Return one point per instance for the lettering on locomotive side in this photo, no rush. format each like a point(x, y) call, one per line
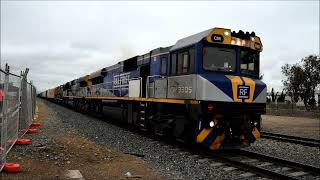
point(185, 89)
point(121, 80)
point(217, 38)
point(182, 89)
point(243, 92)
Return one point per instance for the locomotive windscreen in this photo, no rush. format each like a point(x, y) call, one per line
point(219, 59)
point(249, 63)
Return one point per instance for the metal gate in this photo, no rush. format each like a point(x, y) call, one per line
point(17, 108)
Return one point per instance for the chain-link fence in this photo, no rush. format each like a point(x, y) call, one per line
point(3, 122)
point(13, 106)
point(17, 108)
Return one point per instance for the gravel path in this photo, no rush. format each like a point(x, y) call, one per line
point(170, 162)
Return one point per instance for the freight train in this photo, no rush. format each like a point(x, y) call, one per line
point(204, 89)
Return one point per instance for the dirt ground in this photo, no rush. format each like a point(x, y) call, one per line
point(296, 126)
point(71, 151)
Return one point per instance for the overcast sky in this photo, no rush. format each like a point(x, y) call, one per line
point(61, 41)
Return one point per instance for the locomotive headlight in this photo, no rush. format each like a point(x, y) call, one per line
point(226, 33)
point(211, 124)
point(238, 42)
point(252, 39)
point(243, 42)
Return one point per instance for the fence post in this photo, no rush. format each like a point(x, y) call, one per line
point(5, 104)
point(4, 118)
point(24, 118)
point(2, 127)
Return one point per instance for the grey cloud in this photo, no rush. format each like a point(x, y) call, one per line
point(60, 41)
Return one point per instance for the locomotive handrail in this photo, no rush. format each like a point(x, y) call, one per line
point(147, 82)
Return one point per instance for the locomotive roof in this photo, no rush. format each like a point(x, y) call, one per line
point(187, 41)
point(98, 73)
point(83, 78)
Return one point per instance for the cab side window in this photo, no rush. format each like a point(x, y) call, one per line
point(186, 61)
point(163, 66)
point(183, 62)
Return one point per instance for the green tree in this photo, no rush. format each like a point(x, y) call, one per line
point(282, 97)
point(311, 67)
point(302, 79)
point(293, 81)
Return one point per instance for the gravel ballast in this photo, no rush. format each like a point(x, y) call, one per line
point(288, 151)
point(169, 161)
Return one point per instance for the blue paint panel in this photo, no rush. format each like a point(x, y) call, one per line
point(168, 64)
point(198, 58)
point(259, 87)
point(220, 81)
point(155, 66)
point(113, 83)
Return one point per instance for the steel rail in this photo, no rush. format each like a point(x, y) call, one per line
point(273, 159)
point(255, 169)
point(291, 139)
point(231, 157)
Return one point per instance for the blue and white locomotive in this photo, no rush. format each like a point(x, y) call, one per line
point(204, 89)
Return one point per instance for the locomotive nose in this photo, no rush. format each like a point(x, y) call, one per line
point(246, 89)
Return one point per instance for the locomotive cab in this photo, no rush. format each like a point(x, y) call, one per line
point(231, 93)
point(216, 74)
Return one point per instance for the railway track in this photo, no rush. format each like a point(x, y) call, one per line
point(269, 166)
point(291, 139)
point(251, 164)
